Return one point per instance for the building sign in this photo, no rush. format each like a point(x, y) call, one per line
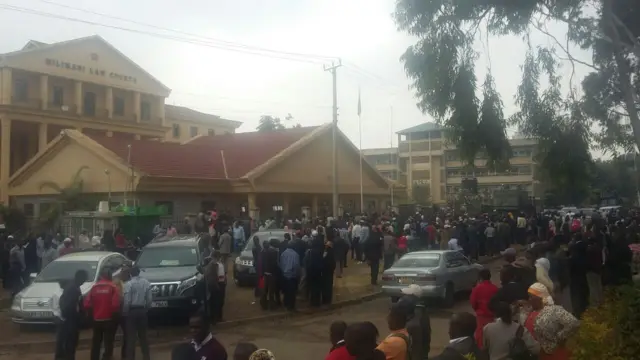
point(421, 182)
point(90, 70)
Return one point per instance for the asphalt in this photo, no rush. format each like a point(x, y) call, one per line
point(290, 337)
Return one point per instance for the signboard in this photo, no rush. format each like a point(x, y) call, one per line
point(61, 64)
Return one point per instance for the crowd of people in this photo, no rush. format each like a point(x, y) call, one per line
point(544, 290)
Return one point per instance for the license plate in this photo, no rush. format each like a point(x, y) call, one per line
point(39, 314)
point(405, 280)
point(160, 304)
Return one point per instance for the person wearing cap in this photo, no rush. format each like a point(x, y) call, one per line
point(418, 321)
point(509, 255)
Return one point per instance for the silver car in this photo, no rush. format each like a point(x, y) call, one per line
point(440, 274)
point(33, 305)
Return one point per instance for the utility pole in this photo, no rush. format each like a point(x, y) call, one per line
point(334, 130)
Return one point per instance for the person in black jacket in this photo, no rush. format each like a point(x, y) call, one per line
point(373, 252)
point(418, 321)
point(462, 327)
point(328, 269)
point(70, 317)
point(314, 270)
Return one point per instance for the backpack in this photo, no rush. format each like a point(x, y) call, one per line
point(407, 340)
point(518, 349)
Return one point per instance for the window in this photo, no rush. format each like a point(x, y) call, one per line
point(145, 111)
point(168, 256)
point(118, 106)
point(211, 132)
point(176, 131)
point(193, 131)
point(21, 90)
point(59, 270)
point(58, 96)
point(418, 261)
point(168, 204)
point(29, 210)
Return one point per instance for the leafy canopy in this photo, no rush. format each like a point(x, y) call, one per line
point(272, 123)
point(441, 66)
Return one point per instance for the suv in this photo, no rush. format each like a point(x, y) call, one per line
point(171, 264)
point(244, 272)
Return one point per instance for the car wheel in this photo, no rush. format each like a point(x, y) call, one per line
point(448, 299)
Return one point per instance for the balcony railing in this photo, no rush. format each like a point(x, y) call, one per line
point(26, 102)
point(70, 109)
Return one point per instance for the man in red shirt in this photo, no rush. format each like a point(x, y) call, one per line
point(103, 302)
point(480, 297)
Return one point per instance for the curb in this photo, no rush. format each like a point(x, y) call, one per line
point(159, 338)
point(166, 338)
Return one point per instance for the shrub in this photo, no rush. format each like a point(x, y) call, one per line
point(612, 330)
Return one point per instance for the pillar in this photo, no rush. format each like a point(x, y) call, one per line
point(43, 136)
point(254, 211)
point(6, 88)
point(108, 101)
point(44, 92)
point(5, 159)
point(286, 200)
point(160, 109)
point(77, 101)
point(314, 206)
point(136, 105)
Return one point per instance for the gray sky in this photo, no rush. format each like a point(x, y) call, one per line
point(243, 86)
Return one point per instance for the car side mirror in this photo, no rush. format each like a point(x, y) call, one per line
point(32, 276)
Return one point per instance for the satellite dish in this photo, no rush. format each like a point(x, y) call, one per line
point(64, 108)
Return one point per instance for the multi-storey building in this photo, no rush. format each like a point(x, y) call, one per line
point(88, 85)
point(424, 158)
point(81, 109)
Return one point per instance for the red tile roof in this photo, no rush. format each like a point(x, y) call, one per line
point(201, 158)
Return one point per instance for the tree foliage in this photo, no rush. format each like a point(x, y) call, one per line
point(272, 123)
point(70, 197)
point(441, 67)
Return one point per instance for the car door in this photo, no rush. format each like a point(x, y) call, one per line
point(454, 269)
point(468, 273)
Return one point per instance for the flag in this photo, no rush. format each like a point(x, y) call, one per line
point(359, 105)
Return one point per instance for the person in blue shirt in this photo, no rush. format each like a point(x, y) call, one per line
point(239, 238)
point(290, 268)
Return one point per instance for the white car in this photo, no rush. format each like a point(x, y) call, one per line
point(33, 305)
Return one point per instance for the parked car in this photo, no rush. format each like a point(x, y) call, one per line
point(440, 274)
point(244, 273)
point(171, 264)
point(33, 305)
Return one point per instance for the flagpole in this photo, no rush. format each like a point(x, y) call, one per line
point(360, 136)
point(391, 151)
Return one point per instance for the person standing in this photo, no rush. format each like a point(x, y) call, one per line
point(397, 344)
point(328, 269)
point(490, 244)
point(461, 344)
point(225, 245)
point(17, 266)
point(49, 253)
point(70, 316)
point(356, 253)
point(373, 254)
point(314, 271)
point(268, 271)
point(219, 291)
point(136, 304)
point(239, 238)
point(206, 346)
point(390, 248)
point(480, 297)
point(290, 267)
point(418, 323)
point(103, 300)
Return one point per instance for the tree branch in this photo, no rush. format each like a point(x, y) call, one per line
point(565, 50)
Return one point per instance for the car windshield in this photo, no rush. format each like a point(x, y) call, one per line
point(418, 261)
point(66, 270)
point(168, 256)
point(264, 236)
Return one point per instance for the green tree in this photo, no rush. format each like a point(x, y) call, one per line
point(442, 67)
point(269, 123)
point(69, 197)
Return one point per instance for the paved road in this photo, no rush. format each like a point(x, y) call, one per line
point(290, 338)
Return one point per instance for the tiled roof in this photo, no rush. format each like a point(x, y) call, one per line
point(244, 152)
point(157, 158)
point(186, 114)
point(202, 157)
point(428, 126)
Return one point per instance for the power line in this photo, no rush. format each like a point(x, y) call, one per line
point(163, 36)
point(210, 39)
point(347, 64)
